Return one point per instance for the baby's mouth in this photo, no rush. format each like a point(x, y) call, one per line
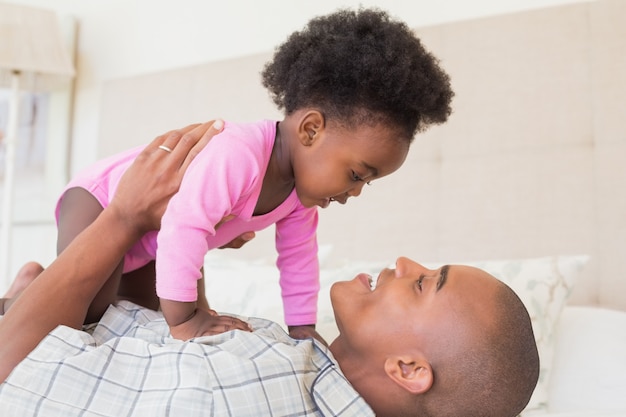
point(339, 200)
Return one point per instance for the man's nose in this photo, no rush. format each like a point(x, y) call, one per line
point(406, 266)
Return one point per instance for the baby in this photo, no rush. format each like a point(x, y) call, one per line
point(355, 87)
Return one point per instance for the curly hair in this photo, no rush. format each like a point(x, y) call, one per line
point(360, 67)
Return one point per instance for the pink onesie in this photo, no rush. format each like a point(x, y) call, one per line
point(224, 179)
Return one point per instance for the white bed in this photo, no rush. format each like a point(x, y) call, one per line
point(583, 365)
point(531, 165)
point(528, 177)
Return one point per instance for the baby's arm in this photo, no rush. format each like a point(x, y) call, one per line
point(187, 321)
point(202, 300)
point(296, 243)
point(306, 331)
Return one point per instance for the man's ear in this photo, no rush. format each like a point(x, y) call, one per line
point(415, 375)
point(310, 127)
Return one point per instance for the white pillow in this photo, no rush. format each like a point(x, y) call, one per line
point(251, 288)
point(243, 288)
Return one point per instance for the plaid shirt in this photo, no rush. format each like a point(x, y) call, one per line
point(128, 365)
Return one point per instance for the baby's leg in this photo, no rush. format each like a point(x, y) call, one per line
point(78, 210)
point(24, 277)
point(139, 286)
point(27, 273)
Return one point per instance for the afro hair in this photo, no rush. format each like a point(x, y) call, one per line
point(358, 67)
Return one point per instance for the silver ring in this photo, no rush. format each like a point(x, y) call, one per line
point(165, 148)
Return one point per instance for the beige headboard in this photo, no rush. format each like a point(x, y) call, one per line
point(532, 162)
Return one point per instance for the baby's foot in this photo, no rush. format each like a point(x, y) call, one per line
point(24, 277)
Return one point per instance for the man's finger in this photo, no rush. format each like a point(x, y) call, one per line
point(171, 138)
point(193, 146)
point(239, 241)
point(224, 220)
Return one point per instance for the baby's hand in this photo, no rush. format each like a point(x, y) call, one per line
point(305, 332)
point(206, 323)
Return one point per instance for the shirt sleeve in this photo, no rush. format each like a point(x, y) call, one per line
point(296, 243)
point(215, 183)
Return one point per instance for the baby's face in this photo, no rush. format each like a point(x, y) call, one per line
point(340, 161)
point(414, 306)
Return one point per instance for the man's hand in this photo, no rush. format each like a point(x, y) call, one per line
point(64, 290)
point(305, 332)
point(239, 241)
point(155, 175)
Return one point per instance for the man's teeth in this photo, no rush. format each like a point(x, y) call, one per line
point(372, 282)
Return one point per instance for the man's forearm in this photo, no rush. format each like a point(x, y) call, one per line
point(61, 294)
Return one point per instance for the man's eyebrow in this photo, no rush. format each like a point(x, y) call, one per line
point(443, 276)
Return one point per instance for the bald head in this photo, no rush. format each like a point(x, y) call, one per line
point(453, 341)
point(496, 364)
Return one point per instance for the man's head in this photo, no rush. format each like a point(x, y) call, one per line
point(447, 342)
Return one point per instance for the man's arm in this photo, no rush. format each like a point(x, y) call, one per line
point(61, 294)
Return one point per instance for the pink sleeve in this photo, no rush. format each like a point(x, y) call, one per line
point(217, 179)
point(296, 243)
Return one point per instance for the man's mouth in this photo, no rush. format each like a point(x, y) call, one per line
point(368, 280)
point(373, 283)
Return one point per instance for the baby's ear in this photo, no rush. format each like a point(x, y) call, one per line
point(311, 125)
point(414, 375)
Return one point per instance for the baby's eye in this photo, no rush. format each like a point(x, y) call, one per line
point(356, 177)
point(419, 282)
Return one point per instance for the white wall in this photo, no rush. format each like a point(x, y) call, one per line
point(119, 38)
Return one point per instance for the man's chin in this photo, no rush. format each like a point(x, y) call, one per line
point(335, 300)
point(342, 296)
point(338, 290)
point(333, 293)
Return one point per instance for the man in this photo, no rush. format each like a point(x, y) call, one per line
point(448, 342)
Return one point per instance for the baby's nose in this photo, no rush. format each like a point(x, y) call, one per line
point(356, 190)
